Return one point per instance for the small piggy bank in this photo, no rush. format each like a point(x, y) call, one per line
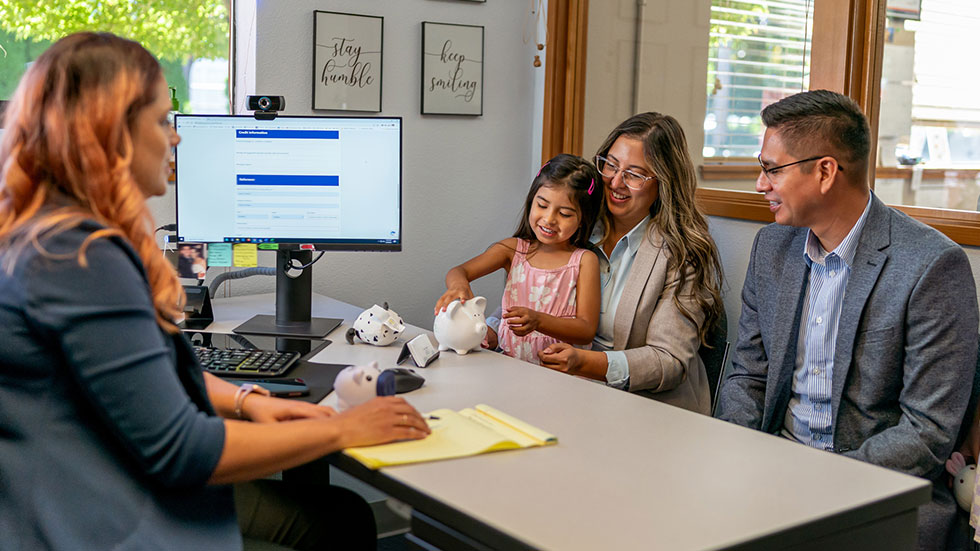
point(377, 325)
point(357, 384)
point(461, 327)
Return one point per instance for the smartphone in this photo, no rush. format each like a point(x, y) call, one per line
point(283, 388)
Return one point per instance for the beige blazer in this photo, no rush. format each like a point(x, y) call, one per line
point(661, 344)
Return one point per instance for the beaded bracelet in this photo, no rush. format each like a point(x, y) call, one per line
point(244, 391)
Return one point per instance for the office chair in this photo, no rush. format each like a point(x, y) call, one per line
point(715, 354)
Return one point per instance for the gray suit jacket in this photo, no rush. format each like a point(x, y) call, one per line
point(906, 347)
point(661, 344)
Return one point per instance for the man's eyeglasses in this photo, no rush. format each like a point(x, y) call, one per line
point(609, 169)
point(770, 171)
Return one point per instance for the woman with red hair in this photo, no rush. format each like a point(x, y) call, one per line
point(110, 435)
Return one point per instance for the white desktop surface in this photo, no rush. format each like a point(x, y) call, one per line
point(627, 472)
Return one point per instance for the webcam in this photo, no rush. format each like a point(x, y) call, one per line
point(266, 107)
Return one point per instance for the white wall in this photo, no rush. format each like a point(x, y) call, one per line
point(464, 178)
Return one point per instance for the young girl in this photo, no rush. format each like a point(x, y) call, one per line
point(552, 291)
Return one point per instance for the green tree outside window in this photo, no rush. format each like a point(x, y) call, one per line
point(176, 31)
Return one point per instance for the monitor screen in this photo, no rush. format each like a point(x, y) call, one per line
point(330, 182)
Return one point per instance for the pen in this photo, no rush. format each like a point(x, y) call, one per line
point(433, 417)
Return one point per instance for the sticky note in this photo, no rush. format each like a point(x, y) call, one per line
point(246, 255)
point(219, 254)
point(269, 246)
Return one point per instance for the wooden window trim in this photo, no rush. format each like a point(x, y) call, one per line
point(961, 226)
point(748, 170)
point(564, 81)
point(847, 50)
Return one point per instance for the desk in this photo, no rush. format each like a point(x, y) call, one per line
point(627, 473)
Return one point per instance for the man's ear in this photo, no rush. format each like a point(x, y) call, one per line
point(827, 170)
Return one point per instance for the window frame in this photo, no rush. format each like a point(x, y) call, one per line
point(846, 56)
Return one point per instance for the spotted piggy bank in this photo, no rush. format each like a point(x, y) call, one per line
point(378, 325)
point(357, 384)
point(461, 327)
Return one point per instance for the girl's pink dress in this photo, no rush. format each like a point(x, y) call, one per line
point(548, 291)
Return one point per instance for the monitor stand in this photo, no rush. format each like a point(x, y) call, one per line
point(294, 299)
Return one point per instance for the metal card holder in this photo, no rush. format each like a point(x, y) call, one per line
point(420, 349)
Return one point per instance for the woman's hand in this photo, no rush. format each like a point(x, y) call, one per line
point(266, 409)
point(561, 356)
point(461, 292)
point(564, 357)
point(522, 321)
point(491, 341)
point(381, 420)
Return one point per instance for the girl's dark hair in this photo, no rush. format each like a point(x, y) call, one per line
point(584, 182)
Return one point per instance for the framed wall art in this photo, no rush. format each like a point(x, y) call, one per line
point(452, 69)
point(347, 59)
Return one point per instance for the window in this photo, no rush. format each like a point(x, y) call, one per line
point(758, 53)
point(929, 130)
point(189, 37)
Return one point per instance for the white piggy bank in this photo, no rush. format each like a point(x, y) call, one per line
point(461, 327)
point(357, 384)
point(378, 325)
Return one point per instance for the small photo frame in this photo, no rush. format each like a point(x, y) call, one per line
point(347, 60)
point(452, 69)
point(192, 260)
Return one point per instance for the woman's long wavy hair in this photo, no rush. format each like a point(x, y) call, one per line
point(675, 213)
point(66, 154)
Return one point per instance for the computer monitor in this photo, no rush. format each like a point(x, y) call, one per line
point(295, 183)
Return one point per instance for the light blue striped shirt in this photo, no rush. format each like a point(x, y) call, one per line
point(614, 270)
point(808, 417)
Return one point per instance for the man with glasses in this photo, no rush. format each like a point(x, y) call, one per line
point(858, 331)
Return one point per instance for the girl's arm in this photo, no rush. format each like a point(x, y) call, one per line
point(498, 256)
point(578, 330)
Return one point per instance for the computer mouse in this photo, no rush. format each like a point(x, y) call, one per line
point(406, 380)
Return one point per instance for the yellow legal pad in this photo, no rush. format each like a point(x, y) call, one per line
point(471, 431)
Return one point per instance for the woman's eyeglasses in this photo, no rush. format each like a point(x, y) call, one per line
point(609, 169)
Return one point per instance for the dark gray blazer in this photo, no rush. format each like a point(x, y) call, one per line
point(905, 356)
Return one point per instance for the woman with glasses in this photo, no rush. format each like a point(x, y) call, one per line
point(661, 275)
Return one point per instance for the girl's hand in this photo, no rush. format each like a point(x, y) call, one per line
point(266, 409)
point(460, 292)
point(381, 420)
point(562, 357)
point(522, 321)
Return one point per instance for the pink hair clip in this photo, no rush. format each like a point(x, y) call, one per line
point(591, 186)
point(542, 168)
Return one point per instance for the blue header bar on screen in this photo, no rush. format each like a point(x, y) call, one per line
point(287, 180)
point(289, 134)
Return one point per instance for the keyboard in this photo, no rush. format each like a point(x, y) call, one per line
point(245, 362)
